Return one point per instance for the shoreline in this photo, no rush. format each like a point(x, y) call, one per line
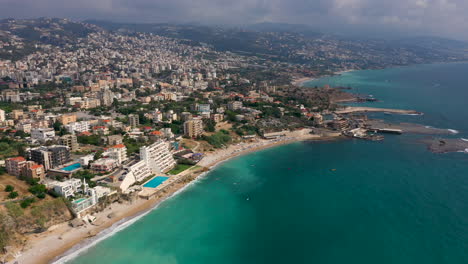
point(302, 80)
point(62, 243)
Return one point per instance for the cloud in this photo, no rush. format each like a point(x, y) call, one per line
point(438, 17)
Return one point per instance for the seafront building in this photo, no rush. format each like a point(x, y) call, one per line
point(66, 188)
point(158, 157)
point(136, 172)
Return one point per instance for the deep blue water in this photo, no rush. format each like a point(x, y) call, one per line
point(330, 202)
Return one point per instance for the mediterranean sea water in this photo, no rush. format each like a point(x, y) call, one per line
point(347, 201)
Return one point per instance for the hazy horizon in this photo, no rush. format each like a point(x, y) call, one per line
point(379, 18)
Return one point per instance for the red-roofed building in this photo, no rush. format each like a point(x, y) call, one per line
point(118, 152)
point(86, 133)
point(33, 170)
point(155, 134)
point(100, 130)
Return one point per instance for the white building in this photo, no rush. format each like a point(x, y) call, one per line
point(118, 152)
point(157, 116)
point(82, 126)
point(135, 173)
point(2, 116)
point(43, 134)
point(67, 188)
point(73, 100)
point(84, 161)
point(167, 132)
point(158, 157)
point(170, 115)
point(95, 194)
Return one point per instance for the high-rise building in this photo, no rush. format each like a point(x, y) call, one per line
point(134, 120)
point(158, 157)
point(193, 128)
point(50, 156)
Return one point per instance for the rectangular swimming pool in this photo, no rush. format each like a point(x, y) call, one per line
point(71, 167)
point(79, 200)
point(155, 182)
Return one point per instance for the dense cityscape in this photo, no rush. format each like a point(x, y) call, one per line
point(91, 118)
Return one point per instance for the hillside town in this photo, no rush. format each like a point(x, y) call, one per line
point(116, 117)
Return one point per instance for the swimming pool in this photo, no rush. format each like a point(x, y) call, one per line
point(71, 167)
point(79, 200)
point(155, 182)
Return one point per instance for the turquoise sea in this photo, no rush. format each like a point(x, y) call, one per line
point(347, 201)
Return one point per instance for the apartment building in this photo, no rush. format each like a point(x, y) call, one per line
point(158, 157)
point(14, 166)
point(193, 128)
point(70, 141)
point(82, 126)
point(67, 119)
point(50, 156)
point(43, 134)
point(118, 152)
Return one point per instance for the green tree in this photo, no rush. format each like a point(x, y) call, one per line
point(57, 125)
point(98, 154)
point(210, 124)
point(13, 195)
point(39, 190)
point(27, 202)
point(9, 188)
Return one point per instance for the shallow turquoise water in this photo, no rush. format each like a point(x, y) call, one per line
point(330, 202)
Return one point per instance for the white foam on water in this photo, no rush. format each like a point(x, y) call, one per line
point(453, 131)
point(86, 244)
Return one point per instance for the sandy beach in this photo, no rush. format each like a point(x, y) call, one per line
point(362, 109)
point(301, 81)
point(63, 239)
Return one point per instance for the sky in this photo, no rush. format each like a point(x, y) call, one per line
point(445, 18)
